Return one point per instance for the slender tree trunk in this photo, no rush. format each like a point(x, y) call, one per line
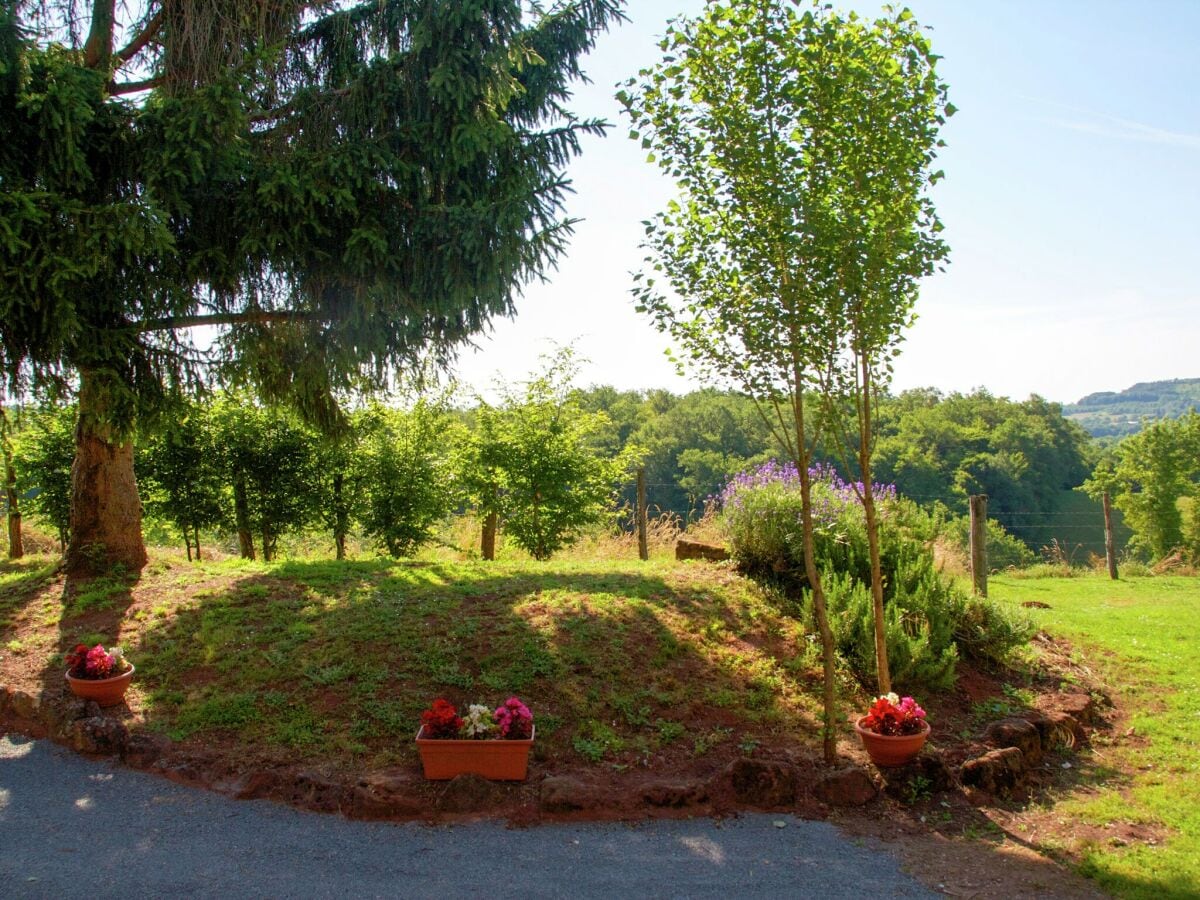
point(341, 518)
point(106, 512)
point(487, 542)
point(241, 514)
point(187, 543)
point(196, 541)
point(643, 543)
point(813, 575)
point(1110, 550)
point(884, 675)
point(268, 543)
point(16, 546)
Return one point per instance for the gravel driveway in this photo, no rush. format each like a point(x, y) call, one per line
point(72, 827)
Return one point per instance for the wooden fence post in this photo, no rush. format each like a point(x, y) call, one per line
point(977, 503)
point(643, 543)
point(1110, 551)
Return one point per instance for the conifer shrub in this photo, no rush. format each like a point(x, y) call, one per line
point(929, 621)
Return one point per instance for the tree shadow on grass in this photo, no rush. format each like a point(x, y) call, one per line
point(93, 611)
point(336, 662)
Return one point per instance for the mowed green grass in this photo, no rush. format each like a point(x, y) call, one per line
point(625, 664)
point(1139, 636)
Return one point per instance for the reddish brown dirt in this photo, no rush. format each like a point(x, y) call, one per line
point(961, 843)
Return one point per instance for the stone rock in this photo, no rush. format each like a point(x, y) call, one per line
point(99, 734)
point(695, 550)
point(1058, 729)
point(761, 782)
point(469, 793)
point(256, 785)
point(386, 794)
point(1019, 733)
point(673, 794)
point(928, 772)
point(314, 791)
point(1080, 707)
point(142, 750)
point(849, 786)
point(560, 793)
point(24, 705)
point(996, 771)
point(4, 696)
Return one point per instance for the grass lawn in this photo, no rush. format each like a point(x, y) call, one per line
point(653, 665)
point(1139, 637)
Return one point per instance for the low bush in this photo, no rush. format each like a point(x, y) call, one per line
point(929, 621)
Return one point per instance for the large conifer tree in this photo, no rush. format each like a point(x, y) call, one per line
point(333, 187)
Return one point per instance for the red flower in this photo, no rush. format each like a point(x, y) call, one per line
point(77, 660)
point(885, 717)
point(441, 720)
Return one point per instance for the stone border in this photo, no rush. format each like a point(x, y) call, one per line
point(401, 793)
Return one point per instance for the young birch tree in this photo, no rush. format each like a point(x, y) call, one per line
point(751, 112)
point(883, 134)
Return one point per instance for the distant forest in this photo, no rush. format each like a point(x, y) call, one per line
point(1109, 414)
point(936, 448)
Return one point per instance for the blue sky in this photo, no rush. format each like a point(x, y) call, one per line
point(1072, 206)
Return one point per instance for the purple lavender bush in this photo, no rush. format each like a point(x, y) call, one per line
point(928, 620)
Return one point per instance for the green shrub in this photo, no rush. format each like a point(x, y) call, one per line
point(929, 622)
point(1004, 551)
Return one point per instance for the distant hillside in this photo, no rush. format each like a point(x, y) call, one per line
point(1110, 414)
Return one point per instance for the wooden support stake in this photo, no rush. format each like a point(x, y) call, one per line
point(643, 543)
point(1110, 551)
point(977, 504)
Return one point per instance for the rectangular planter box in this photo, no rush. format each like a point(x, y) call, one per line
point(498, 760)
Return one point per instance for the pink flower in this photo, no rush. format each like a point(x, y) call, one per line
point(514, 719)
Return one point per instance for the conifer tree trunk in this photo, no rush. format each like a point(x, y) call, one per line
point(106, 511)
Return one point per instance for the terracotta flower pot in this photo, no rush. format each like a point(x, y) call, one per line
point(105, 691)
point(892, 750)
point(499, 760)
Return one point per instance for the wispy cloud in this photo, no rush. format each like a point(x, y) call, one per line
point(1124, 129)
point(1109, 126)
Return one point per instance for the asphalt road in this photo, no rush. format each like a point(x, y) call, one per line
point(72, 827)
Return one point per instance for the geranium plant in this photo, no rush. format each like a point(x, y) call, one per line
point(95, 663)
point(893, 715)
point(441, 720)
point(512, 721)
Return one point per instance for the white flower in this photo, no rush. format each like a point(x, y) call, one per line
point(478, 721)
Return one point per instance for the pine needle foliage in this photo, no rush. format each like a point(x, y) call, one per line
point(337, 188)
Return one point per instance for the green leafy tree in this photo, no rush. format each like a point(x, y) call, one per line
point(337, 189)
point(42, 453)
point(403, 475)
point(757, 111)
point(533, 462)
point(1154, 479)
point(181, 475)
point(270, 460)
